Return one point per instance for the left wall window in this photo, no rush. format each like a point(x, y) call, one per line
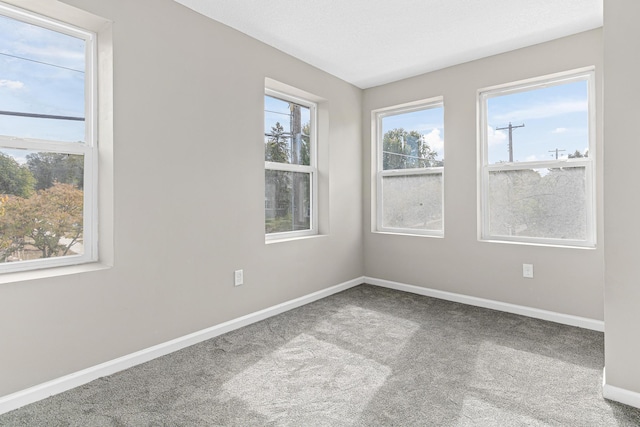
point(48, 147)
point(290, 201)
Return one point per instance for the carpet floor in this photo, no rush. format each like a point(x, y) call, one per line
point(367, 356)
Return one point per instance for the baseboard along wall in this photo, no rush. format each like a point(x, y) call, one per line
point(565, 319)
point(67, 382)
point(618, 394)
point(76, 379)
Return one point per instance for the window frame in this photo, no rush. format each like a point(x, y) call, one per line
point(311, 169)
point(377, 116)
point(588, 163)
point(88, 149)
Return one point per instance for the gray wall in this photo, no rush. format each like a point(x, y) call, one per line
point(185, 86)
point(566, 280)
point(189, 199)
point(622, 209)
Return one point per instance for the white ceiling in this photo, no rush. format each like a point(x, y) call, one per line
point(372, 42)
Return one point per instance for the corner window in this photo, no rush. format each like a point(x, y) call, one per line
point(410, 168)
point(290, 203)
point(47, 143)
point(537, 161)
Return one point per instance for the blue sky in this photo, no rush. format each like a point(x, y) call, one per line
point(49, 80)
point(555, 117)
point(429, 122)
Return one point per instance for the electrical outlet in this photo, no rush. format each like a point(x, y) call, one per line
point(527, 271)
point(238, 277)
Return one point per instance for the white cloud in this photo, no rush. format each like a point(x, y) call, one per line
point(11, 84)
point(559, 130)
point(496, 137)
point(434, 140)
point(531, 158)
point(542, 111)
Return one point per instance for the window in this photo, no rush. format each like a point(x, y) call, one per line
point(290, 203)
point(48, 152)
point(410, 167)
point(537, 157)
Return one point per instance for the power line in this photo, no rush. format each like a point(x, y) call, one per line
point(41, 116)
point(277, 112)
point(40, 62)
point(405, 155)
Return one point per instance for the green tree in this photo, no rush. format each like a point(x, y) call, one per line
point(406, 149)
point(287, 194)
point(278, 183)
point(15, 179)
point(277, 147)
point(43, 221)
point(49, 168)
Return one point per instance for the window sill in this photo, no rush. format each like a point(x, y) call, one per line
point(407, 233)
point(295, 238)
point(46, 273)
point(587, 246)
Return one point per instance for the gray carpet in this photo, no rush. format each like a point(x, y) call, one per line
point(365, 357)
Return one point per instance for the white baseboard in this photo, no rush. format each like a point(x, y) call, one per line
point(618, 394)
point(67, 382)
point(566, 319)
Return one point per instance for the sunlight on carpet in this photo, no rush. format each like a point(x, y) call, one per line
point(478, 412)
point(308, 380)
point(369, 332)
point(510, 385)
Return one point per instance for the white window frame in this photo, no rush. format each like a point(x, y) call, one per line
point(377, 116)
point(88, 149)
point(588, 163)
point(311, 169)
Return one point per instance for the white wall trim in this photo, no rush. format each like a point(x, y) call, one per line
point(67, 382)
point(566, 319)
point(618, 394)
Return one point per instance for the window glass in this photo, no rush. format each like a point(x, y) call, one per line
point(412, 202)
point(290, 170)
point(542, 124)
point(413, 140)
point(47, 155)
point(547, 203)
point(287, 129)
point(287, 201)
point(410, 158)
point(42, 85)
point(537, 178)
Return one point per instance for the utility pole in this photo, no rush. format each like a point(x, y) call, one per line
point(297, 208)
point(511, 128)
point(556, 151)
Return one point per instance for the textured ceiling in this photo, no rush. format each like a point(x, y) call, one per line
point(372, 42)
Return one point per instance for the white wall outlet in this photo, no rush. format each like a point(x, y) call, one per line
point(527, 271)
point(238, 277)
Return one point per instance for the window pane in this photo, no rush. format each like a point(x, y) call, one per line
point(413, 140)
point(287, 129)
point(543, 124)
point(42, 73)
point(413, 202)
point(287, 201)
point(545, 203)
point(41, 205)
